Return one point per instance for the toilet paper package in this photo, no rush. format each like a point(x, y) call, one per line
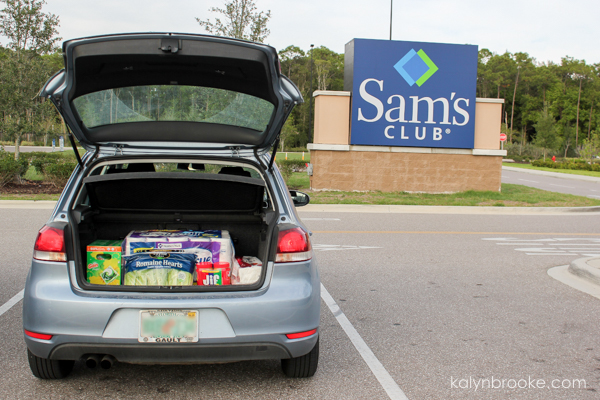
point(209, 246)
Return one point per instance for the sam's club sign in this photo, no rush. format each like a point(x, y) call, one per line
point(411, 94)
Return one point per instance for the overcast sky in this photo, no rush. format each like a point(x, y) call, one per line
point(546, 29)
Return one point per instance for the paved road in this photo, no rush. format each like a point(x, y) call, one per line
point(29, 149)
point(567, 184)
point(438, 298)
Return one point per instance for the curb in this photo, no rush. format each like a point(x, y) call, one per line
point(28, 204)
point(554, 174)
point(376, 209)
point(469, 210)
point(587, 268)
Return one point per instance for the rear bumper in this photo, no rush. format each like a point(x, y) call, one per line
point(233, 326)
point(261, 347)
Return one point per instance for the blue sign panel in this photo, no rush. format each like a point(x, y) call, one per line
point(412, 94)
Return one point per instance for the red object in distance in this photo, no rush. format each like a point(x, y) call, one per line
point(503, 137)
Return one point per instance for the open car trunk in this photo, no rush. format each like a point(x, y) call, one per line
point(110, 206)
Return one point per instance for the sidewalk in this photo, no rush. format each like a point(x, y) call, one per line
point(554, 174)
point(28, 204)
point(587, 268)
point(471, 210)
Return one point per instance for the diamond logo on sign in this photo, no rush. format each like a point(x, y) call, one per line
point(416, 67)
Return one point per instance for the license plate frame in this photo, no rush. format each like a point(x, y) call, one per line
point(168, 326)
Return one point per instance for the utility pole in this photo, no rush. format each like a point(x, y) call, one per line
point(578, 101)
point(512, 114)
point(391, 13)
point(310, 121)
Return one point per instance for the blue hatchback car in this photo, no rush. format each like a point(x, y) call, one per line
point(180, 132)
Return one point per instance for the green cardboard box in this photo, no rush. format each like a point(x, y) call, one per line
point(104, 262)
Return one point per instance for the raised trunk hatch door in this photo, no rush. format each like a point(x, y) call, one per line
point(176, 90)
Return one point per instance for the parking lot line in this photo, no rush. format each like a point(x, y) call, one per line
point(14, 300)
point(385, 379)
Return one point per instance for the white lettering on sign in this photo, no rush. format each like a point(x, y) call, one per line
point(400, 109)
point(370, 99)
point(397, 112)
point(387, 135)
point(430, 103)
point(461, 111)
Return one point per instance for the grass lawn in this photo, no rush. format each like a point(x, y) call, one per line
point(511, 196)
point(35, 197)
point(562, 171)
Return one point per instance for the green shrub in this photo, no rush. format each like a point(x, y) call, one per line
point(9, 167)
point(287, 167)
point(24, 162)
point(286, 170)
point(296, 165)
point(40, 160)
point(58, 173)
point(573, 164)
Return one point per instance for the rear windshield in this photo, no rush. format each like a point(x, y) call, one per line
point(173, 103)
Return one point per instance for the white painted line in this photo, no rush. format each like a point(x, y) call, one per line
point(526, 180)
point(582, 244)
point(579, 248)
point(542, 250)
point(563, 275)
point(517, 244)
point(567, 239)
point(14, 300)
point(338, 247)
point(385, 379)
point(549, 254)
point(570, 187)
point(511, 240)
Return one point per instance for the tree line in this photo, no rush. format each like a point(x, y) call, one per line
point(549, 106)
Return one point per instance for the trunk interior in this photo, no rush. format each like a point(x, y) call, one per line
point(111, 206)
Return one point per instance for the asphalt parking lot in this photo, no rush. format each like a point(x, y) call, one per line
point(436, 302)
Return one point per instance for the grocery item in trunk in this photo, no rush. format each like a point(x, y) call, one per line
point(247, 270)
point(210, 277)
point(217, 274)
point(104, 262)
point(159, 269)
point(218, 243)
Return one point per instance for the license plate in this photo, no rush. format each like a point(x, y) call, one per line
point(168, 326)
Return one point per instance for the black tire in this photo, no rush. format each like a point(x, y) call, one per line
point(44, 368)
point(302, 367)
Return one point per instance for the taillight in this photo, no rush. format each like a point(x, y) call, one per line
point(300, 335)
point(36, 335)
point(50, 245)
point(293, 245)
